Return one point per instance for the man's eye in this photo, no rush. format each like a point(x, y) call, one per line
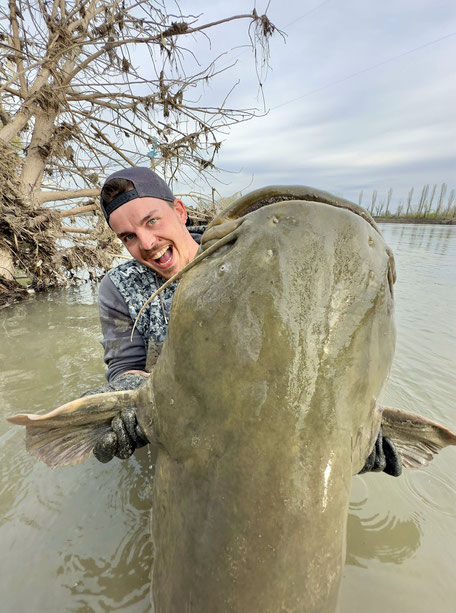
point(128, 237)
point(152, 221)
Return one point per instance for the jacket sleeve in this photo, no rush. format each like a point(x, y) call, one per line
point(120, 354)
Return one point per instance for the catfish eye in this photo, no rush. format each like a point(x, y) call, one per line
point(391, 279)
point(391, 273)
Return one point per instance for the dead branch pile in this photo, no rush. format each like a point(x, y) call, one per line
point(201, 217)
point(33, 237)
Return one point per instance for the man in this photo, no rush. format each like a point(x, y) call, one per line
point(150, 221)
point(141, 209)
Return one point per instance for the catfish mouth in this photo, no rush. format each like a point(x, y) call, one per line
point(230, 219)
point(308, 194)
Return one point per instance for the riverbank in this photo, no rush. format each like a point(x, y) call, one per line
point(417, 220)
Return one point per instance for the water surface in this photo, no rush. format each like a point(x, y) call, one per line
point(401, 552)
point(76, 539)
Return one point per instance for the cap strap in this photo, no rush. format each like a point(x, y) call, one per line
point(119, 200)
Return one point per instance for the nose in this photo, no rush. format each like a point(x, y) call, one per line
point(146, 239)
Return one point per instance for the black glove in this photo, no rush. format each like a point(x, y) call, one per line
point(383, 457)
point(126, 434)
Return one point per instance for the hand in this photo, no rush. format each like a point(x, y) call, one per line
point(383, 458)
point(126, 434)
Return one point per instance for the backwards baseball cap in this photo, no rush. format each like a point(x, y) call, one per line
point(146, 184)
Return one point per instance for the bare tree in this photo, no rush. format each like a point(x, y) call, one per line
point(388, 201)
point(443, 189)
point(88, 85)
point(451, 206)
point(409, 202)
point(374, 200)
point(428, 206)
point(423, 200)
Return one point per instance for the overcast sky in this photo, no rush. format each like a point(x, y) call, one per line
point(361, 95)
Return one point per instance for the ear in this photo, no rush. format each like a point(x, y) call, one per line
point(179, 207)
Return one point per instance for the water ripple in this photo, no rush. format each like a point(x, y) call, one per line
point(433, 491)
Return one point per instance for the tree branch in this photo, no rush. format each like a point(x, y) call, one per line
point(108, 142)
point(80, 210)
point(17, 47)
point(157, 38)
point(77, 230)
point(66, 194)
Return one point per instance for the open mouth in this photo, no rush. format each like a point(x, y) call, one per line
point(279, 193)
point(163, 258)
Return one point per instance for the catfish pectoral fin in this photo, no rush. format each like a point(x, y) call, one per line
point(67, 435)
point(416, 438)
point(66, 446)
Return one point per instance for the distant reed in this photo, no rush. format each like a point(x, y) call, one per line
point(432, 203)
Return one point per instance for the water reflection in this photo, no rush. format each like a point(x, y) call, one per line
point(386, 538)
point(83, 530)
point(119, 578)
point(433, 238)
point(99, 584)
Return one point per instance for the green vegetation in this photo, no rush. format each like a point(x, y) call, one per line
point(433, 205)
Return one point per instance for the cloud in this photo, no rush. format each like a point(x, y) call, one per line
point(360, 97)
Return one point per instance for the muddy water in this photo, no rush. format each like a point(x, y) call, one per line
point(76, 539)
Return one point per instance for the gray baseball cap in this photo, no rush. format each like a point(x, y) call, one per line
point(146, 184)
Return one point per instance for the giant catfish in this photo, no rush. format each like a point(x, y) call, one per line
point(264, 402)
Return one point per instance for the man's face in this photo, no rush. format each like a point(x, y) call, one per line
point(154, 233)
